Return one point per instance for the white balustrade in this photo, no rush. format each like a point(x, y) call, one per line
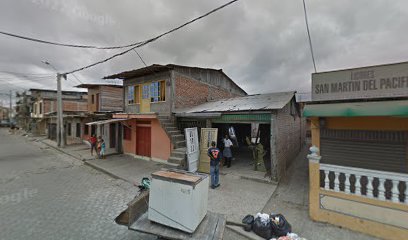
point(370, 187)
point(326, 180)
point(395, 191)
point(347, 183)
point(336, 181)
point(381, 189)
point(382, 177)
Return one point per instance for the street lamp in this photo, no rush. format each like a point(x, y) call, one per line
point(60, 118)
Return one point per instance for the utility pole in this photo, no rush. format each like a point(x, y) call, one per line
point(60, 110)
point(11, 109)
point(60, 118)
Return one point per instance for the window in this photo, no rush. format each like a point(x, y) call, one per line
point(93, 99)
point(69, 129)
point(131, 94)
point(137, 94)
point(86, 129)
point(158, 91)
point(127, 133)
point(41, 107)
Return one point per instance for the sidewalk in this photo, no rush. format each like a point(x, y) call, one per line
point(236, 197)
point(291, 198)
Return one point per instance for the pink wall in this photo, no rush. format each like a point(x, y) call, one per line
point(160, 146)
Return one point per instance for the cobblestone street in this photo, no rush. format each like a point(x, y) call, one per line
point(46, 195)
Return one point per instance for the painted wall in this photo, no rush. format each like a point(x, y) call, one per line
point(160, 142)
point(129, 146)
point(383, 219)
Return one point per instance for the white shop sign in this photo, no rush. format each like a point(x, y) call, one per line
point(383, 81)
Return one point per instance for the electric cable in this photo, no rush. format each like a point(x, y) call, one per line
point(152, 39)
point(308, 34)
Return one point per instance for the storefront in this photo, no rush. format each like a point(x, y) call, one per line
point(266, 130)
point(358, 167)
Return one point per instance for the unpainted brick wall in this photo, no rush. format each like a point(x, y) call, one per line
point(290, 137)
point(190, 92)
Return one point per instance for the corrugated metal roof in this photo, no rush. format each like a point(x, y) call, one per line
point(269, 101)
point(91, 85)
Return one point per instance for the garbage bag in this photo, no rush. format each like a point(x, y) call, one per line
point(248, 219)
point(262, 228)
point(247, 227)
point(279, 225)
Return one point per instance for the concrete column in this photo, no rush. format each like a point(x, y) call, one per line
point(314, 182)
point(315, 131)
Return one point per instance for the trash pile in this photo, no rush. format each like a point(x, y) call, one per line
point(273, 226)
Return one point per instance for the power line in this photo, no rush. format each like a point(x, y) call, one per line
point(308, 34)
point(153, 39)
point(65, 44)
point(140, 57)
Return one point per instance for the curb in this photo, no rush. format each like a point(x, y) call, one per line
point(105, 171)
point(85, 161)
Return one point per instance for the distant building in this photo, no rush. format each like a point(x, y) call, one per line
point(4, 113)
point(23, 110)
point(103, 101)
point(44, 111)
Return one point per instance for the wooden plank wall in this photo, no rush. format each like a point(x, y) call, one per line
point(111, 98)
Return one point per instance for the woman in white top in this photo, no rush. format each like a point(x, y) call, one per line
point(227, 151)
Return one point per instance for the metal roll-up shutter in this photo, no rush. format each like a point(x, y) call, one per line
point(377, 150)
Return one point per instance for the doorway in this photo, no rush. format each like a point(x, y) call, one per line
point(112, 135)
point(143, 141)
point(243, 159)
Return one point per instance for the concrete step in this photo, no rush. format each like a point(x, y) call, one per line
point(170, 128)
point(176, 138)
point(182, 150)
point(178, 154)
point(180, 144)
point(174, 132)
point(176, 160)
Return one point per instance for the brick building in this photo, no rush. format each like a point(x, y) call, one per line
point(152, 95)
point(272, 121)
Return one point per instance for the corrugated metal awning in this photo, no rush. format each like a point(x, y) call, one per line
point(105, 121)
point(358, 109)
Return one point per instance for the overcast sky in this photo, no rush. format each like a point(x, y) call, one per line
point(261, 44)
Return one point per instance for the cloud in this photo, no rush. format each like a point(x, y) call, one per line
point(262, 45)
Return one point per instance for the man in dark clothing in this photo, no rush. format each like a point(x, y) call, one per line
point(215, 157)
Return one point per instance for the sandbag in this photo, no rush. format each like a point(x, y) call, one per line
point(262, 229)
point(282, 228)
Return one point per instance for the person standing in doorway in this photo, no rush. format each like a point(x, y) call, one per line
point(215, 157)
point(102, 151)
point(227, 151)
point(99, 146)
point(92, 141)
